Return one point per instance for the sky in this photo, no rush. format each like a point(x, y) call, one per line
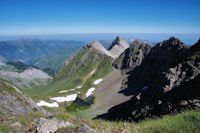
point(22, 17)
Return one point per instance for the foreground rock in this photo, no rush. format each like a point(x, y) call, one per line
point(51, 125)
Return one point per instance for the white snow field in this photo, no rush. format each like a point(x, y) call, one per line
point(97, 81)
point(43, 103)
point(90, 92)
point(68, 98)
point(63, 91)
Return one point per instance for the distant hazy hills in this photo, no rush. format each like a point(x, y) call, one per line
point(21, 75)
point(25, 49)
point(42, 54)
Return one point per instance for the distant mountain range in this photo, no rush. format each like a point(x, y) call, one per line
point(39, 53)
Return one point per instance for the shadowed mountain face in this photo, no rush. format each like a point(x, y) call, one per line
point(166, 82)
point(132, 56)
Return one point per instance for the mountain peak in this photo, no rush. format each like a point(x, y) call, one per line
point(120, 41)
point(118, 46)
point(172, 41)
point(98, 46)
point(93, 44)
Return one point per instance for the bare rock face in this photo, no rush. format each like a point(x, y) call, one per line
point(118, 46)
point(98, 46)
point(158, 60)
point(132, 56)
point(51, 125)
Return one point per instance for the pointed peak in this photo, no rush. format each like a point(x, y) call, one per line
point(98, 46)
point(92, 44)
point(119, 41)
point(119, 38)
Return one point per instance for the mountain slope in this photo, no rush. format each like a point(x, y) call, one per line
point(158, 60)
point(15, 103)
point(172, 89)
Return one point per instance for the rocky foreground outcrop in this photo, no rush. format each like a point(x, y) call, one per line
point(167, 82)
point(13, 102)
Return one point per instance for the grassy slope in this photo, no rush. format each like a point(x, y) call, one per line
point(186, 122)
point(76, 73)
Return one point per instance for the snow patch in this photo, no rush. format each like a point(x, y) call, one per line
point(97, 81)
point(144, 88)
point(92, 72)
point(68, 98)
point(43, 103)
point(90, 92)
point(63, 91)
point(78, 87)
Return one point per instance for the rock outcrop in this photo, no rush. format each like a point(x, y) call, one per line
point(167, 82)
point(118, 46)
point(158, 60)
point(51, 125)
point(132, 56)
point(15, 103)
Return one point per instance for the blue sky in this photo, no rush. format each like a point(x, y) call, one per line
point(99, 16)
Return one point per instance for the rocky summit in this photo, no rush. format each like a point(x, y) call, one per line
point(132, 56)
point(98, 46)
point(118, 46)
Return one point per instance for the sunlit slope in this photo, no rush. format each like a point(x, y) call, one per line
point(78, 75)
